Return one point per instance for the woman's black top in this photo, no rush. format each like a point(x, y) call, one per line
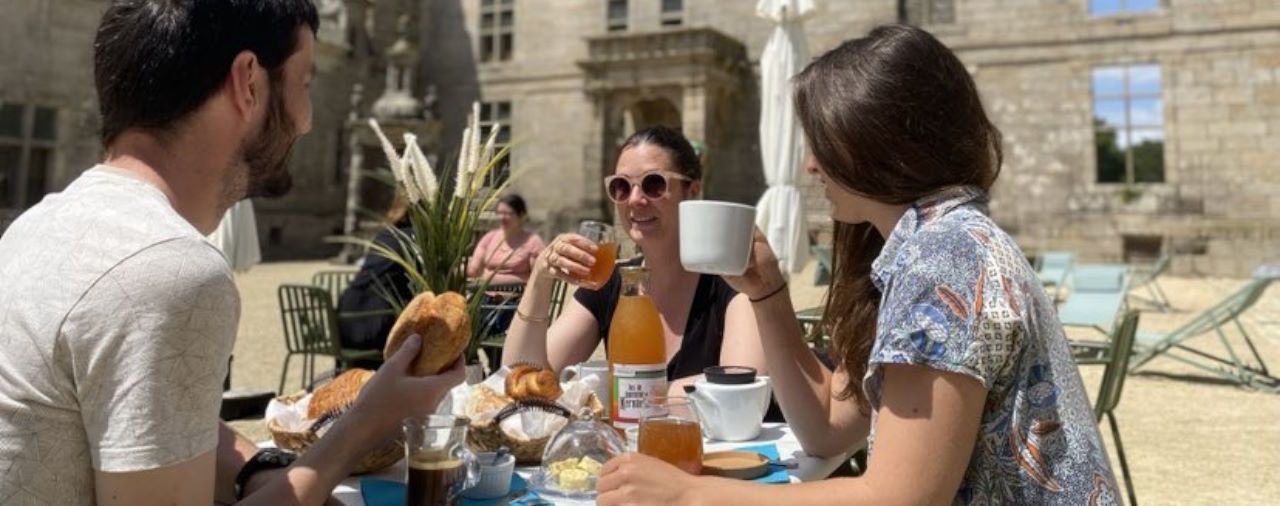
point(703, 331)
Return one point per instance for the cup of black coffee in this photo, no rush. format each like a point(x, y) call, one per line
point(439, 464)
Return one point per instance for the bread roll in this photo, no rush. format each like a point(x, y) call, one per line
point(483, 403)
point(444, 325)
point(339, 393)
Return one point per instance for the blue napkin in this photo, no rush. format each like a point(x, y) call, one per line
point(380, 492)
point(777, 474)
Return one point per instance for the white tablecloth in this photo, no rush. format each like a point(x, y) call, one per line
point(809, 468)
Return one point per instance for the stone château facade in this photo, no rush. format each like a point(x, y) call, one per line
point(1126, 122)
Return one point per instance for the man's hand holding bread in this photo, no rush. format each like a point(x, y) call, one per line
point(424, 360)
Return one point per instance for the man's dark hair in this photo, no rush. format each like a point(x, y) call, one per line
point(156, 61)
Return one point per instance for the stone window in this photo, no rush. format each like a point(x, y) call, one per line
point(28, 137)
point(672, 12)
point(927, 12)
point(497, 115)
point(497, 28)
point(1128, 121)
point(1111, 7)
point(616, 16)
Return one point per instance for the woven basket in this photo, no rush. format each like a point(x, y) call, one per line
point(299, 441)
point(489, 437)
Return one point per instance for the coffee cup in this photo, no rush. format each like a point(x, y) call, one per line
point(715, 236)
point(439, 466)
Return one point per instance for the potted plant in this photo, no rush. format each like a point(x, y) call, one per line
point(442, 216)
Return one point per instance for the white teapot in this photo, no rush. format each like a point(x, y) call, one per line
point(730, 402)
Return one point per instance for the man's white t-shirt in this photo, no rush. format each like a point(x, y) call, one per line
point(116, 322)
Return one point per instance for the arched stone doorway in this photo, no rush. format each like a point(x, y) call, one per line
point(645, 113)
point(685, 78)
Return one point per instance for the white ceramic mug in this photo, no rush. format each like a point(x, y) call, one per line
point(731, 412)
point(715, 236)
point(600, 368)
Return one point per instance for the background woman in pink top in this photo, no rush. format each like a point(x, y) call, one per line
point(506, 251)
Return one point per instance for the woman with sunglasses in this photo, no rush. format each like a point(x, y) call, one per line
point(705, 321)
point(953, 367)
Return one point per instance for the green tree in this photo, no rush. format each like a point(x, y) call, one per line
point(1110, 157)
point(1148, 162)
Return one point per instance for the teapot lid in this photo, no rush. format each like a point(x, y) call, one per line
point(730, 374)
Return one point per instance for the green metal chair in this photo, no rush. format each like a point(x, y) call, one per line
point(1231, 367)
point(493, 342)
point(334, 282)
point(311, 329)
point(558, 291)
point(1112, 385)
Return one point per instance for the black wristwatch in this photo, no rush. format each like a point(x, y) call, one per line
point(266, 458)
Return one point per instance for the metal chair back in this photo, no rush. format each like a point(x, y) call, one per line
point(1117, 365)
point(310, 327)
point(334, 282)
point(558, 291)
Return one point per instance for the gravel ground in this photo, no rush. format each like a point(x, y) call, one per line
point(1189, 439)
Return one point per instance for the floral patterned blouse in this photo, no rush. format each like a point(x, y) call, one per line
point(960, 297)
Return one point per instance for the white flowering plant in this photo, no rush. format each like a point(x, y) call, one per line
point(443, 216)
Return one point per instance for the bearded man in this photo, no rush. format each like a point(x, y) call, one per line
point(116, 316)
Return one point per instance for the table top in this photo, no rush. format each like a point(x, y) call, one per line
point(808, 468)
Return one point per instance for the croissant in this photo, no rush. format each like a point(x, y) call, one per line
point(525, 381)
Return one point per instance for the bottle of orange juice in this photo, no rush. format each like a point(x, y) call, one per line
point(637, 356)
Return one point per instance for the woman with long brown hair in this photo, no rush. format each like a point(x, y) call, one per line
point(953, 366)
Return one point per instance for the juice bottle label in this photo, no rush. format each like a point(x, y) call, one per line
point(633, 385)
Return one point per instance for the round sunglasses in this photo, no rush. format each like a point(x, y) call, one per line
point(653, 184)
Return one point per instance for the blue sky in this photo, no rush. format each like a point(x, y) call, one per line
point(1104, 7)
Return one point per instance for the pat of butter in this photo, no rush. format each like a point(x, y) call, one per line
point(574, 479)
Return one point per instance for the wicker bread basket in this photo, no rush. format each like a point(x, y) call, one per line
point(489, 437)
point(298, 441)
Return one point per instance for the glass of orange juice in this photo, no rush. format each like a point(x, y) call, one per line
point(602, 234)
point(670, 432)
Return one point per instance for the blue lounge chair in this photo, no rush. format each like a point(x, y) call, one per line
point(1097, 295)
point(1053, 267)
point(1146, 277)
point(822, 274)
point(1230, 367)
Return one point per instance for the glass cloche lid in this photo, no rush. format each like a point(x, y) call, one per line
point(573, 457)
